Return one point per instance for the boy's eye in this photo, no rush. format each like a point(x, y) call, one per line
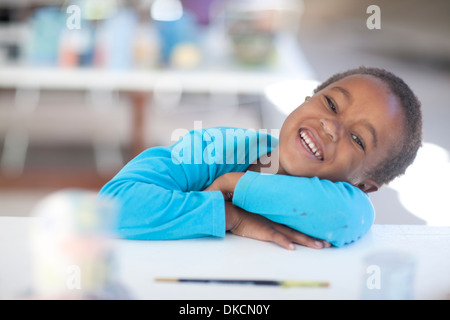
point(358, 141)
point(331, 104)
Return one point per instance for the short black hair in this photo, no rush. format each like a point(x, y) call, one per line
point(405, 152)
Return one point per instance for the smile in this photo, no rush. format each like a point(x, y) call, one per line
point(308, 143)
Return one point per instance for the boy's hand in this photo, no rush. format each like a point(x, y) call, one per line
point(255, 226)
point(226, 184)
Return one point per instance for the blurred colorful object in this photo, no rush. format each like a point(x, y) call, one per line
point(116, 39)
point(73, 256)
point(45, 26)
point(253, 26)
point(98, 9)
point(179, 41)
point(201, 9)
point(166, 10)
point(166, 33)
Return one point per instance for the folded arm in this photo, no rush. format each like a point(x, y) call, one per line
point(338, 213)
point(160, 199)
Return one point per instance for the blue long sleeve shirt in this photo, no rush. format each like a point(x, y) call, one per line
point(161, 195)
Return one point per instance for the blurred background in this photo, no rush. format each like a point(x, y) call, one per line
point(86, 85)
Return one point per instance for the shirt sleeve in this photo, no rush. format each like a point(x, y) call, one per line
point(160, 197)
point(160, 192)
point(333, 211)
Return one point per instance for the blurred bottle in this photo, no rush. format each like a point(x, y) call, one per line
point(73, 253)
point(116, 36)
point(179, 35)
point(253, 26)
point(146, 48)
point(388, 275)
point(45, 32)
point(77, 47)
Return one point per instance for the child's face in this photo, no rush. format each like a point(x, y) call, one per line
point(342, 131)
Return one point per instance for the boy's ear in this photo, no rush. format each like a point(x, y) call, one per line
point(368, 186)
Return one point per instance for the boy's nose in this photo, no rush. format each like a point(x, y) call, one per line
point(331, 129)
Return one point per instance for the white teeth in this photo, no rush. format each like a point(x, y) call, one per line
point(311, 145)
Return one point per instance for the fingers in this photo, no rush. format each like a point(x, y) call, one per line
point(297, 237)
point(260, 228)
point(287, 238)
point(282, 240)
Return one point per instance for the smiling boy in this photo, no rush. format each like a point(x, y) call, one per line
point(359, 130)
point(351, 125)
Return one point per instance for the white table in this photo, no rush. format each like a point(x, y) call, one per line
point(140, 262)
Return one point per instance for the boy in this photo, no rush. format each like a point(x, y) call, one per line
point(360, 130)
